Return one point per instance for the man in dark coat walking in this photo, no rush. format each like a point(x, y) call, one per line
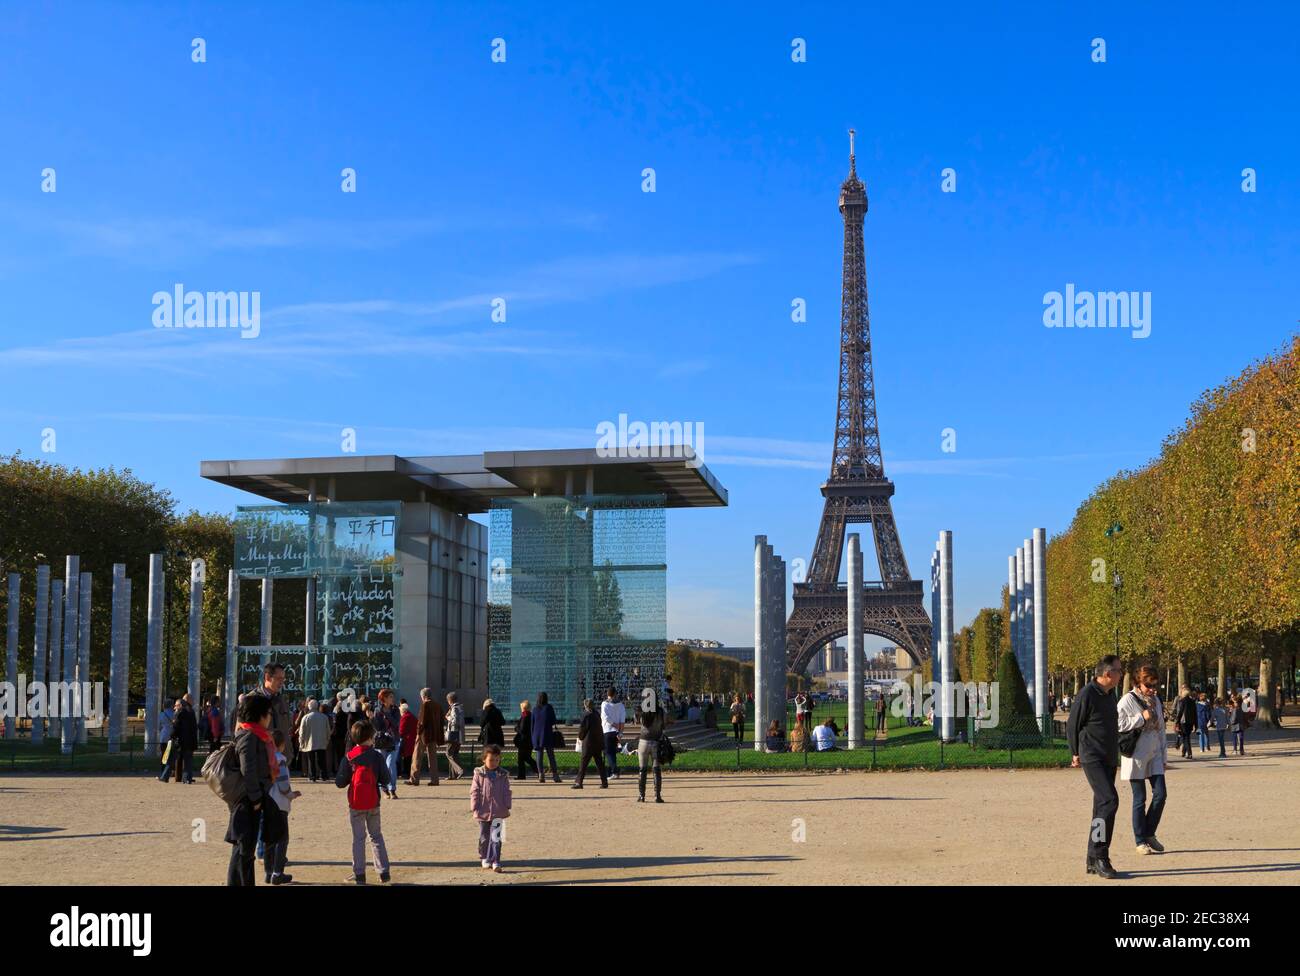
point(592, 737)
point(1093, 734)
point(1185, 720)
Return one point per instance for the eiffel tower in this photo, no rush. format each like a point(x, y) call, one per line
point(857, 490)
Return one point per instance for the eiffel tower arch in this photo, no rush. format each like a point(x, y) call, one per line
point(857, 490)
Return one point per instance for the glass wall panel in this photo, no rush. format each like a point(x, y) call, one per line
point(350, 550)
point(577, 598)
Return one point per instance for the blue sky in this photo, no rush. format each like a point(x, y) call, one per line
point(522, 180)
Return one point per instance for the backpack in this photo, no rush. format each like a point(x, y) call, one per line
point(221, 773)
point(363, 792)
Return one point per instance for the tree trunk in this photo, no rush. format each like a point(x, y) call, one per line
point(1128, 682)
point(1078, 681)
point(1265, 694)
point(1223, 672)
point(1182, 674)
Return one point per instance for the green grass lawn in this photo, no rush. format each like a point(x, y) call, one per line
point(905, 748)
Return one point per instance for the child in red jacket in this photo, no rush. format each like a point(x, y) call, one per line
point(364, 773)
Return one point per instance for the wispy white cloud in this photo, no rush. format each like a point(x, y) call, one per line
point(334, 337)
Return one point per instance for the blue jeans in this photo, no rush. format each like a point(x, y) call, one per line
point(1239, 742)
point(1205, 738)
point(392, 759)
point(1221, 752)
point(611, 752)
point(1147, 819)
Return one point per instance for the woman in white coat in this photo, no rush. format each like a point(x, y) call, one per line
point(1141, 709)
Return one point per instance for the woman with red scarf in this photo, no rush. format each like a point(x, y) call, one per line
point(406, 732)
point(259, 769)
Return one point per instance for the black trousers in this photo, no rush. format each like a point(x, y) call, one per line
point(1105, 804)
point(316, 767)
point(526, 761)
point(588, 754)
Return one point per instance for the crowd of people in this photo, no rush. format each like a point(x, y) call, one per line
point(1128, 734)
point(370, 747)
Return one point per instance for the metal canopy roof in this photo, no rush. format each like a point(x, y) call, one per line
point(468, 483)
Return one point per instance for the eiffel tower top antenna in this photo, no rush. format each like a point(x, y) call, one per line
point(853, 164)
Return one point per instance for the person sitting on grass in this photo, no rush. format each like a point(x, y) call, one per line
point(799, 734)
point(489, 802)
point(824, 736)
point(775, 740)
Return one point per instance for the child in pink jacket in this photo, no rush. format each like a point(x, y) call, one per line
point(489, 801)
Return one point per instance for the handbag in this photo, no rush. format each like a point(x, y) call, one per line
point(1128, 740)
point(666, 751)
point(167, 753)
point(557, 738)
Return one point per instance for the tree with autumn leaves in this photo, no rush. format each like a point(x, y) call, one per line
point(1206, 542)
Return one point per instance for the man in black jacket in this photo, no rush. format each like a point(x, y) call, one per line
point(1093, 734)
point(1185, 720)
point(592, 737)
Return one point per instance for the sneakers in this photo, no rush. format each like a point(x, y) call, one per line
point(486, 864)
point(1155, 845)
point(384, 876)
point(496, 868)
point(1145, 849)
point(358, 878)
point(279, 879)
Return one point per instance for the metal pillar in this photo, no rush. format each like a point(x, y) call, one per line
point(83, 696)
point(1040, 621)
point(153, 655)
point(41, 649)
point(117, 668)
point(1020, 610)
point(268, 595)
point(232, 652)
point(776, 678)
point(946, 654)
point(54, 726)
point(120, 707)
point(855, 662)
point(761, 635)
point(1027, 622)
point(934, 613)
point(11, 649)
point(198, 572)
point(71, 603)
